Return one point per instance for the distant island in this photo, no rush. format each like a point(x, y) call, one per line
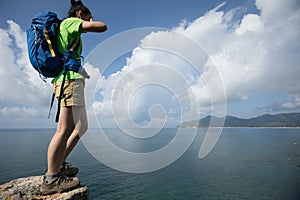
point(278, 120)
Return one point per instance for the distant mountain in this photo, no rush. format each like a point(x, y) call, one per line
point(278, 120)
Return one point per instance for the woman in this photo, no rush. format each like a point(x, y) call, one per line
point(72, 119)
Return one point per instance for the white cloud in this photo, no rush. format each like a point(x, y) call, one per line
point(250, 22)
point(21, 112)
point(258, 54)
point(25, 98)
point(290, 104)
point(276, 12)
point(20, 83)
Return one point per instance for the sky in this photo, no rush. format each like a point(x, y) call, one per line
point(183, 60)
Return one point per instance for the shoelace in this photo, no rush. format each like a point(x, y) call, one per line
point(62, 179)
point(66, 165)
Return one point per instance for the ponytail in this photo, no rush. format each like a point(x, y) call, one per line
point(77, 5)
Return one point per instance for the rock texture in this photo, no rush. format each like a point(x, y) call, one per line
point(29, 188)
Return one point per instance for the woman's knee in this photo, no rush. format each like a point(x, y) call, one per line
point(64, 132)
point(83, 123)
point(83, 129)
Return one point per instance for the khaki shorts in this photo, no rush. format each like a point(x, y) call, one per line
point(73, 94)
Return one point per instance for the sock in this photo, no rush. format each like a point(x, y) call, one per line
point(49, 178)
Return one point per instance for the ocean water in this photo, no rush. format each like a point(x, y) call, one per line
point(246, 163)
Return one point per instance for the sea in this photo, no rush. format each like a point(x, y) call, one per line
point(245, 163)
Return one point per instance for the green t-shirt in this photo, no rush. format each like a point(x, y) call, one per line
point(68, 33)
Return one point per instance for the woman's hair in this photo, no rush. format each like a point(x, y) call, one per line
point(77, 5)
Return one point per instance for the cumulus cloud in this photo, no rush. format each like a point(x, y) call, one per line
point(250, 22)
point(24, 96)
point(258, 53)
point(292, 103)
point(20, 83)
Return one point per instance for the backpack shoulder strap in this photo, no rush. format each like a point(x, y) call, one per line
point(75, 45)
point(71, 50)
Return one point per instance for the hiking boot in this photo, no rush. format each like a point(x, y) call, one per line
point(67, 170)
point(59, 184)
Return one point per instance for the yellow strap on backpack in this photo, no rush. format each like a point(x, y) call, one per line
point(49, 43)
point(75, 44)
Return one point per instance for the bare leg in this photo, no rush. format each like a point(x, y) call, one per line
point(81, 125)
point(58, 144)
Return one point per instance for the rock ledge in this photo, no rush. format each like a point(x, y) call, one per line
point(29, 188)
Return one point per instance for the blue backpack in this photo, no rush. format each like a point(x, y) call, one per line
point(42, 47)
point(43, 52)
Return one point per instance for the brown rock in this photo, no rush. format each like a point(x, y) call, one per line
point(29, 188)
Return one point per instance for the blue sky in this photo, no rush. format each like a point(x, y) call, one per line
point(119, 15)
point(253, 44)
